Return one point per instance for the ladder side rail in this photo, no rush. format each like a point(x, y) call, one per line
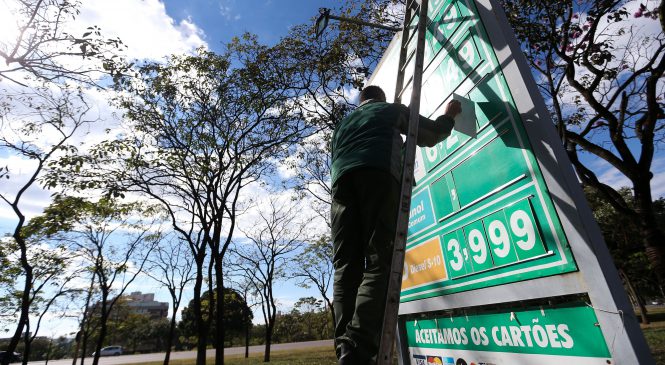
point(399, 243)
point(402, 54)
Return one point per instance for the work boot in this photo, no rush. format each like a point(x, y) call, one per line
point(346, 354)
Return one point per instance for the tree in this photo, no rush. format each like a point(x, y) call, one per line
point(51, 288)
point(204, 127)
point(237, 316)
point(278, 234)
point(59, 112)
point(619, 233)
point(113, 238)
point(244, 287)
point(314, 267)
point(307, 321)
point(41, 47)
point(311, 310)
point(329, 69)
point(600, 70)
point(171, 266)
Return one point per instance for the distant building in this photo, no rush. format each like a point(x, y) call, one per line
point(146, 305)
point(139, 303)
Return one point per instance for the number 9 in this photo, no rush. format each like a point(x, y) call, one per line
point(521, 225)
point(467, 54)
point(501, 239)
point(477, 245)
point(450, 15)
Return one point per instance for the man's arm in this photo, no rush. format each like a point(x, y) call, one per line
point(431, 132)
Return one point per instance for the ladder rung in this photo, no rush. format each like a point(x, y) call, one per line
point(408, 59)
point(413, 5)
point(406, 87)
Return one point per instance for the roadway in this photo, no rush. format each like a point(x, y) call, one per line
point(183, 355)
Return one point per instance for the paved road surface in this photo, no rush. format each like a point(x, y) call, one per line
point(132, 359)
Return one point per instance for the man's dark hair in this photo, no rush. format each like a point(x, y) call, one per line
point(372, 92)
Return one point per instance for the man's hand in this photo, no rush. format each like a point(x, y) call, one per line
point(453, 108)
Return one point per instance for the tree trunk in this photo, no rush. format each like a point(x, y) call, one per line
point(84, 345)
point(103, 322)
point(652, 238)
point(102, 334)
point(26, 342)
point(269, 330)
point(169, 340)
point(25, 299)
point(219, 313)
point(633, 293)
point(246, 335)
point(201, 329)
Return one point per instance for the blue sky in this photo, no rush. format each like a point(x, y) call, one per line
point(153, 29)
point(223, 19)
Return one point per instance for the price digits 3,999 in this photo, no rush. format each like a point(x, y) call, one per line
point(502, 238)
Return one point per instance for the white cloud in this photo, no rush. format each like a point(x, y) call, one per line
point(614, 178)
point(226, 10)
point(143, 25)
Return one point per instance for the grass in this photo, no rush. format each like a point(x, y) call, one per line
point(653, 332)
point(310, 356)
point(655, 336)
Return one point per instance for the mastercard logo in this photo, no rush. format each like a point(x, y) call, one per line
point(434, 360)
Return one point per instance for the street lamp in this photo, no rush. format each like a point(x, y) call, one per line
point(322, 22)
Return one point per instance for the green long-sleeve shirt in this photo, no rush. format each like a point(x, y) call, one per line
point(370, 137)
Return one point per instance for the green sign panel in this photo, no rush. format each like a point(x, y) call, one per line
point(555, 335)
point(480, 192)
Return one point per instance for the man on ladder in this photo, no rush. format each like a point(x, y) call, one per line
point(366, 174)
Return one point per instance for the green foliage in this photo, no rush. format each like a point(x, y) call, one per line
point(237, 315)
point(44, 42)
point(309, 320)
point(600, 71)
point(622, 237)
point(133, 331)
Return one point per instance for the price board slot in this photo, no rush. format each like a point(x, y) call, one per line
point(495, 165)
point(505, 237)
point(476, 240)
point(433, 156)
point(458, 63)
point(489, 106)
point(445, 196)
point(457, 254)
point(443, 25)
point(502, 248)
point(524, 232)
point(435, 7)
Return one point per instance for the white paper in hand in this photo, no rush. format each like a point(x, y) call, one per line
point(465, 122)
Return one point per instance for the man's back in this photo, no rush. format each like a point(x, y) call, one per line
point(369, 137)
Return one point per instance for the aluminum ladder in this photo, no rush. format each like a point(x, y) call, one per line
point(414, 8)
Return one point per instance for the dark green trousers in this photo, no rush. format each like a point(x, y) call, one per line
point(364, 213)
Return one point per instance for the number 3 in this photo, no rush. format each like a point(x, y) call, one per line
point(459, 260)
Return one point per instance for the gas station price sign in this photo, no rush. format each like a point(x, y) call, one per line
point(554, 335)
point(481, 214)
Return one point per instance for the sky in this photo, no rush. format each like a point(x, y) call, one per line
point(154, 29)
